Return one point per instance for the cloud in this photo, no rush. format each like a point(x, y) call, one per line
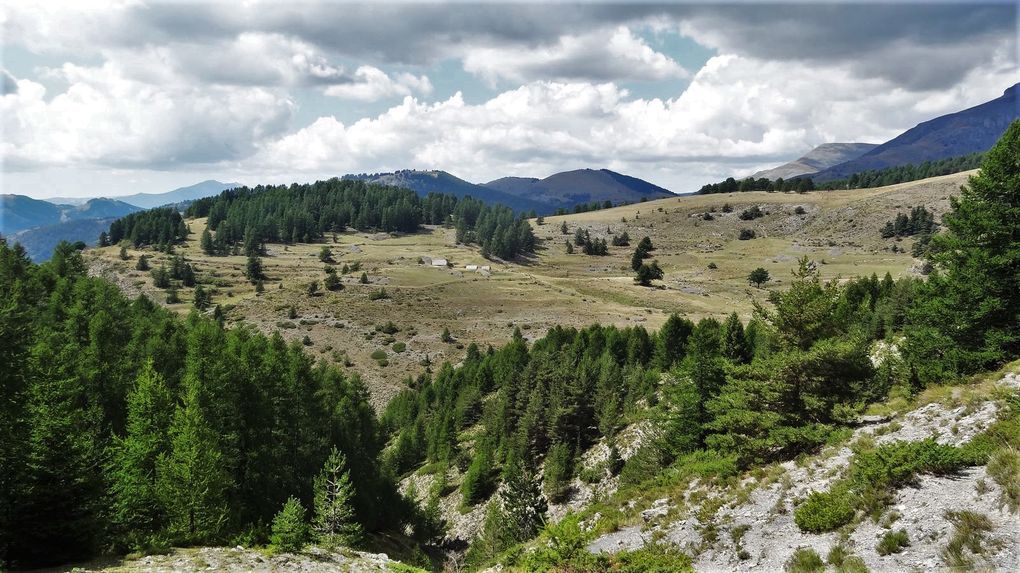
point(732, 118)
point(106, 118)
point(371, 84)
point(602, 55)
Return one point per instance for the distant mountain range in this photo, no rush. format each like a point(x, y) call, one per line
point(206, 188)
point(40, 224)
point(961, 133)
point(544, 196)
point(18, 212)
point(822, 157)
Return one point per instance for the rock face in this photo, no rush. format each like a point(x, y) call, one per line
point(822, 157)
point(240, 560)
point(754, 528)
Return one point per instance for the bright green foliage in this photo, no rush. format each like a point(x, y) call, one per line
point(967, 315)
point(733, 342)
point(290, 531)
point(479, 479)
point(335, 523)
point(191, 480)
point(826, 511)
point(136, 510)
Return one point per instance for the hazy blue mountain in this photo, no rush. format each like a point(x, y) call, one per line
point(822, 157)
point(961, 133)
point(150, 200)
point(425, 182)
point(570, 188)
point(179, 195)
point(18, 212)
point(40, 241)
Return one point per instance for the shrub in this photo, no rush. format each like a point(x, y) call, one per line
point(799, 210)
point(825, 511)
point(852, 564)
point(399, 347)
point(1004, 468)
point(713, 266)
point(751, 213)
point(645, 464)
point(289, 528)
point(747, 234)
point(379, 354)
point(804, 560)
point(378, 295)
point(970, 532)
point(893, 542)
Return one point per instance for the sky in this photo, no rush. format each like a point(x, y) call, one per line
point(113, 98)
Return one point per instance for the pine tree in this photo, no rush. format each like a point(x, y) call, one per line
point(967, 314)
point(523, 507)
point(207, 242)
point(557, 471)
point(191, 480)
point(734, 344)
point(478, 480)
point(335, 524)
point(136, 510)
point(253, 269)
point(290, 532)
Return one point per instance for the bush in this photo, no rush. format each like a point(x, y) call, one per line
point(645, 464)
point(747, 234)
point(804, 560)
point(379, 354)
point(399, 347)
point(378, 295)
point(1004, 468)
point(799, 210)
point(289, 528)
point(893, 542)
point(825, 511)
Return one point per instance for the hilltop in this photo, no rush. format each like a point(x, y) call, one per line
point(569, 188)
point(824, 156)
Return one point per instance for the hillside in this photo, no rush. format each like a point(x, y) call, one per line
point(971, 130)
point(822, 157)
point(18, 212)
point(149, 200)
point(841, 229)
point(570, 188)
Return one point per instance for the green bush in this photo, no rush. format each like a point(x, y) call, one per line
point(825, 511)
point(852, 564)
point(379, 354)
point(399, 347)
point(804, 560)
point(893, 542)
point(1004, 468)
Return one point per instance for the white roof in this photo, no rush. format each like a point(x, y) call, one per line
point(439, 262)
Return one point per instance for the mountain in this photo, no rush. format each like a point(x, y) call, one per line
point(190, 193)
point(822, 157)
point(18, 212)
point(570, 188)
point(425, 182)
point(961, 133)
point(40, 241)
point(149, 200)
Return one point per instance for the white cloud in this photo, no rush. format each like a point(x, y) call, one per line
point(371, 84)
point(738, 114)
point(105, 118)
point(602, 55)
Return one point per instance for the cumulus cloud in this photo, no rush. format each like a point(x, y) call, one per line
point(106, 118)
point(370, 84)
point(731, 115)
point(601, 55)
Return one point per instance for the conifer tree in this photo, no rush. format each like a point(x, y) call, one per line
point(734, 343)
point(335, 524)
point(136, 510)
point(967, 314)
point(289, 528)
point(206, 242)
point(191, 481)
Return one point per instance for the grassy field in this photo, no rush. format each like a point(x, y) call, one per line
point(839, 230)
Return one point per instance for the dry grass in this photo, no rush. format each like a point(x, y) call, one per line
point(840, 230)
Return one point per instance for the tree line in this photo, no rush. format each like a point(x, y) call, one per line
point(905, 173)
